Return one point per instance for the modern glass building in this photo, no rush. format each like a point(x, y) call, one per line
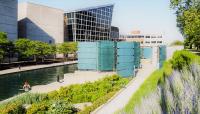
point(8, 18)
point(90, 24)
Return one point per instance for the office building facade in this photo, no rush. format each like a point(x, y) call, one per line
point(90, 24)
point(38, 22)
point(148, 40)
point(8, 18)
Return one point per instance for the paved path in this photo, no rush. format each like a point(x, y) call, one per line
point(78, 77)
point(123, 97)
point(14, 70)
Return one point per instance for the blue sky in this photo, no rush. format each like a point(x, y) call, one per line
point(148, 16)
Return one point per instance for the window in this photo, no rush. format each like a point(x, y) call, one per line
point(147, 36)
point(159, 42)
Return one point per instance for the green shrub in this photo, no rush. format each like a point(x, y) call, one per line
point(62, 107)
point(31, 98)
point(52, 107)
point(97, 92)
point(167, 68)
point(97, 103)
point(15, 106)
point(183, 59)
point(39, 108)
point(89, 92)
point(12, 108)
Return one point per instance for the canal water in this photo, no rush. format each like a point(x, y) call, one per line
point(11, 84)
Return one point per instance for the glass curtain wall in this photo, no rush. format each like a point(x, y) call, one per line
point(92, 24)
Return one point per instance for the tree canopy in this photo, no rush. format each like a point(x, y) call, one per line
point(67, 47)
point(188, 20)
point(29, 48)
point(3, 43)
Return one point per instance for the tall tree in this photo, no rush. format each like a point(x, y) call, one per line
point(67, 48)
point(188, 20)
point(23, 47)
point(3, 45)
point(43, 49)
point(35, 49)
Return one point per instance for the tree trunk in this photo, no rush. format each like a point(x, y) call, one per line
point(35, 59)
point(42, 59)
point(54, 56)
point(190, 46)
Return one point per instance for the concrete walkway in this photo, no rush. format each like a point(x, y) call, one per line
point(14, 70)
point(123, 97)
point(78, 77)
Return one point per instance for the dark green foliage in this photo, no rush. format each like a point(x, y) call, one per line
point(39, 108)
point(97, 103)
point(15, 105)
point(67, 48)
point(12, 108)
point(59, 102)
point(30, 48)
point(182, 59)
point(52, 107)
point(188, 20)
point(62, 107)
point(3, 43)
point(89, 92)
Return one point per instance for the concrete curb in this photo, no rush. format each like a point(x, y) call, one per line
point(23, 69)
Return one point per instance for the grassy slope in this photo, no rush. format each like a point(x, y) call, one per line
point(179, 60)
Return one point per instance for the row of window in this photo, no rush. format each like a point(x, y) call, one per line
point(89, 38)
point(91, 32)
point(72, 20)
point(88, 22)
point(153, 42)
point(98, 26)
point(98, 15)
point(89, 35)
point(93, 11)
point(139, 36)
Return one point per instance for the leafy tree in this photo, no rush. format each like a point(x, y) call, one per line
point(43, 49)
point(67, 47)
point(23, 47)
point(1, 55)
point(3, 43)
point(188, 20)
point(31, 48)
point(53, 50)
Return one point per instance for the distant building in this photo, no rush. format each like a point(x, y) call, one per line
point(144, 39)
point(38, 22)
point(8, 18)
point(114, 33)
point(90, 24)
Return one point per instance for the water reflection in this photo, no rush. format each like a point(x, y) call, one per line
point(11, 84)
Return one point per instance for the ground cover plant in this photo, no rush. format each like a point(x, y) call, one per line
point(62, 100)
